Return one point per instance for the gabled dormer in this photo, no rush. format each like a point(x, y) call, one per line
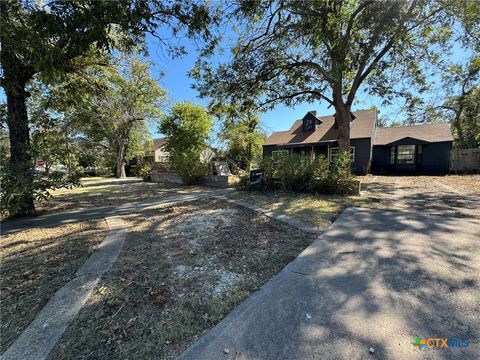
point(310, 122)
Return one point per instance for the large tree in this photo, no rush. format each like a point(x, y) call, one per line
point(307, 51)
point(241, 131)
point(187, 128)
point(48, 39)
point(119, 115)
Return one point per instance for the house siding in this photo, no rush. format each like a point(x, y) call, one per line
point(435, 157)
point(362, 152)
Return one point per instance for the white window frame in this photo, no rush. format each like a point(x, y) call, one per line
point(279, 152)
point(352, 153)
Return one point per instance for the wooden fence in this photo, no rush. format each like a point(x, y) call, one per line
point(465, 160)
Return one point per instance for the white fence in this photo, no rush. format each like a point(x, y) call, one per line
point(465, 160)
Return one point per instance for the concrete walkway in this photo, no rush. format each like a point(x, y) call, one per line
point(36, 342)
point(375, 279)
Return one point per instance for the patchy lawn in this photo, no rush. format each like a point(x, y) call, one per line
point(317, 210)
point(104, 195)
point(432, 194)
point(182, 269)
point(96, 178)
point(465, 183)
point(35, 264)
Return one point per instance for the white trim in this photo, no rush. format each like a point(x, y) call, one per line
point(352, 153)
point(280, 151)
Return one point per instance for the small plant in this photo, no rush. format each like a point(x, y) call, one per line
point(145, 171)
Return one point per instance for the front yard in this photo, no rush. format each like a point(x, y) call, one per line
point(104, 194)
point(35, 264)
point(455, 194)
point(183, 268)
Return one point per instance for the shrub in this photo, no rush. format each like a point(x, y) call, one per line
point(189, 167)
point(312, 175)
point(145, 171)
point(13, 193)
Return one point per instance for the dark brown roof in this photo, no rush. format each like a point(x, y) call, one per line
point(362, 127)
point(437, 132)
point(157, 143)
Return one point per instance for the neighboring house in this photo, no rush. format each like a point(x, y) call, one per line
point(155, 152)
point(405, 149)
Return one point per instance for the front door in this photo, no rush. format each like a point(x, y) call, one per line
point(405, 163)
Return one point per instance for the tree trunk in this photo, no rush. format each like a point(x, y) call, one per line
point(120, 168)
point(20, 151)
point(343, 118)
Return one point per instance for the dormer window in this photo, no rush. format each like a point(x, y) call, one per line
point(310, 122)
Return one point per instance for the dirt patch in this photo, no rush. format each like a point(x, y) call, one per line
point(435, 195)
point(181, 271)
point(35, 264)
point(469, 184)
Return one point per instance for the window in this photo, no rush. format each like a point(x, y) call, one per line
point(406, 154)
point(277, 154)
point(392, 155)
point(334, 151)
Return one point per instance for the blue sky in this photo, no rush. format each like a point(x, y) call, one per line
point(178, 84)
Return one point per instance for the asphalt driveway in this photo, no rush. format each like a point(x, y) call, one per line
point(375, 279)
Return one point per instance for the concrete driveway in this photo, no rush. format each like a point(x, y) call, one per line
point(375, 279)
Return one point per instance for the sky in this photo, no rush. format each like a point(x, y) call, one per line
point(179, 86)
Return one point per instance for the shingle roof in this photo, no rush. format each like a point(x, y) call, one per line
point(362, 127)
point(437, 132)
point(157, 143)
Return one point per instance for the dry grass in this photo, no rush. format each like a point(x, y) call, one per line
point(103, 195)
point(317, 210)
point(35, 264)
point(465, 183)
point(182, 270)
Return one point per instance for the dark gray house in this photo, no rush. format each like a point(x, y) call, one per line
point(422, 149)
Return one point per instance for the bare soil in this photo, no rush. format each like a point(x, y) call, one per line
point(183, 268)
point(35, 264)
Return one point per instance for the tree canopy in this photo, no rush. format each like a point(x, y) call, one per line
point(48, 40)
point(293, 51)
point(187, 128)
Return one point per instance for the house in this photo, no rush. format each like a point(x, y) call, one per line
point(155, 152)
point(403, 149)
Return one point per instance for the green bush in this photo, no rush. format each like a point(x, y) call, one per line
point(13, 193)
point(145, 171)
point(310, 175)
point(189, 167)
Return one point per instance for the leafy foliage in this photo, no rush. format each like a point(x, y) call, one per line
point(310, 175)
point(244, 138)
point(187, 128)
point(307, 51)
point(13, 194)
point(51, 39)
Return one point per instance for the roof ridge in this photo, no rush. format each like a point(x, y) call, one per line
point(411, 125)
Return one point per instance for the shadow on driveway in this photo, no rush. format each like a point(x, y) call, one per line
point(374, 279)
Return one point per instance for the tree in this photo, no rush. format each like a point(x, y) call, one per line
point(243, 136)
point(295, 51)
point(119, 115)
point(456, 99)
point(187, 128)
point(47, 40)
